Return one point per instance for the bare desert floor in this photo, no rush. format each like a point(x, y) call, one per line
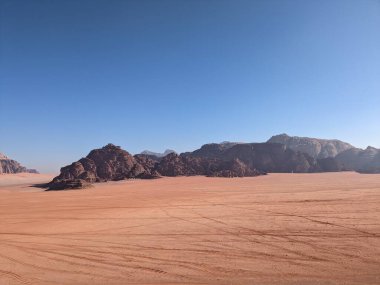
point(274, 229)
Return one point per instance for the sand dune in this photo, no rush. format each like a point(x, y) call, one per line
point(275, 229)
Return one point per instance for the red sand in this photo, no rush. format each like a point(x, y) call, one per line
point(275, 229)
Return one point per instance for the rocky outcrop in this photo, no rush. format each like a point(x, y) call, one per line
point(70, 184)
point(363, 161)
point(187, 165)
point(108, 163)
point(9, 166)
point(235, 168)
point(113, 163)
point(316, 148)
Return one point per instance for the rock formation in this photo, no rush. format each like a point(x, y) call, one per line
point(8, 165)
point(108, 163)
point(267, 157)
point(113, 163)
point(302, 155)
point(316, 148)
point(363, 161)
point(180, 165)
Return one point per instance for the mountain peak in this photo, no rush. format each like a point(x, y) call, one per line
point(317, 148)
point(8, 165)
point(3, 156)
point(158, 154)
point(110, 146)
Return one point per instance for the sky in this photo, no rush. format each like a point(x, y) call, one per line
point(77, 74)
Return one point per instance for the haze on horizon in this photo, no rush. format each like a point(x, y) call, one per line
point(76, 75)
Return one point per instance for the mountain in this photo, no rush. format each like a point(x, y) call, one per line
point(8, 165)
point(316, 148)
point(333, 155)
point(227, 159)
point(212, 150)
point(267, 157)
point(363, 161)
point(113, 163)
point(157, 154)
point(108, 163)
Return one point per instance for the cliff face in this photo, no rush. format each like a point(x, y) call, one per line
point(316, 148)
point(267, 157)
point(8, 165)
point(363, 161)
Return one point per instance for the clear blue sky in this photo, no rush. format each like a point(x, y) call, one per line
point(78, 74)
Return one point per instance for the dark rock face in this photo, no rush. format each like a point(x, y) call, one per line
point(176, 165)
point(267, 157)
point(108, 163)
point(363, 161)
point(329, 164)
point(8, 165)
point(316, 148)
point(187, 165)
point(235, 168)
point(373, 166)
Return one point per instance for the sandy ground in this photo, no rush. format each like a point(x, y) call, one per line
point(275, 229)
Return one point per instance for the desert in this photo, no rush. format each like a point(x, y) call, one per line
point(309, 228)
point(228, 142)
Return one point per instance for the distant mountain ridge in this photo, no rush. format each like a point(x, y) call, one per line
point(281, 153)
point(316, 148)
point(9, 166)
point(158, 154)
point(268, 157)
point(334, 155)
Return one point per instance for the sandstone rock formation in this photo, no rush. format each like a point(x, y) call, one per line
point(316, 148)
point(235, 168)
point(267, 157)
point(179, 165)
point(108, 163)
point(212, 150)
point(8, 165)
point(329, 164)
point(363, 161)
point(113, 163)
point(219, 160)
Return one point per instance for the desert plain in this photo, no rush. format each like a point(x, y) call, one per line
point(275, 229)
